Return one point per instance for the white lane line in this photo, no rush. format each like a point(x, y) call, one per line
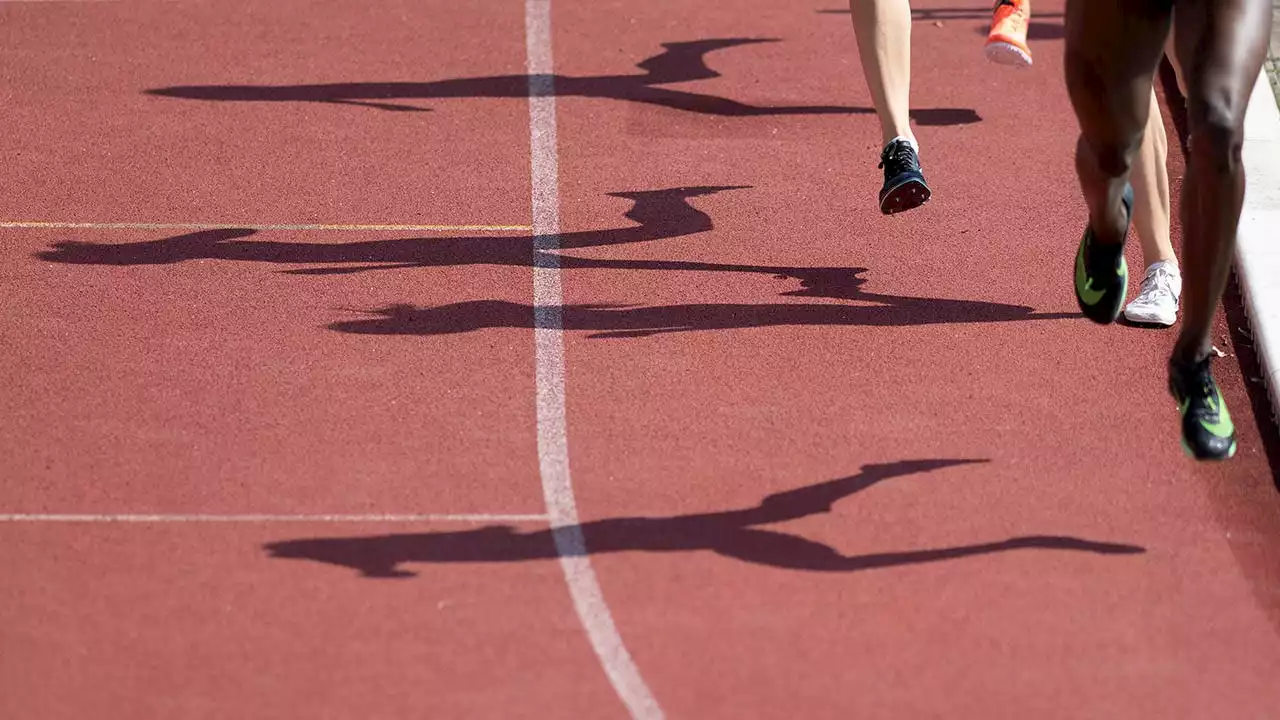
point(553, 449)
point(200, 518)
point(32, 224)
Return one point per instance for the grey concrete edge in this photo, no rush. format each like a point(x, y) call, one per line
point(1258, 249)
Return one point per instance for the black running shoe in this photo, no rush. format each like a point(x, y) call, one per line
point(904, 185)
point(1207, 430)
point(1102, 275)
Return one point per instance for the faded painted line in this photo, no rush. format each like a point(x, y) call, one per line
point(206, 518)
point(251, 226)
point(553, 449)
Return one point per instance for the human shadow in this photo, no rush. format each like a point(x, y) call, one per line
point(736, 534)
point(613, 321)
point(982, 12)
point(656, 214)
point(679, 62)
point(1036, 30)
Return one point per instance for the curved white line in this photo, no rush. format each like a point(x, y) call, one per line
point(553, 448)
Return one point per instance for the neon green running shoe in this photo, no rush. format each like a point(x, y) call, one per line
point(1102, 275)
point(1207, 430)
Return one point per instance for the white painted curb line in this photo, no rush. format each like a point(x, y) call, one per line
point(1258, 243)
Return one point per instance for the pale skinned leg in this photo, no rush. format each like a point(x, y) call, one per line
point(883, 31)
point(1151, 209)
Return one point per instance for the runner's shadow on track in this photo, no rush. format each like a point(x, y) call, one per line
point(679, 62)
point(982, 12)
point(734, 534)
point(612, 321)
point(1037, 31)
point(658, 214)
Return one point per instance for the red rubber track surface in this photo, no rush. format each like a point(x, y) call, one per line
point(977, 507)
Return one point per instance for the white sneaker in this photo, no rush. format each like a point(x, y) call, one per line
point(1157, 301)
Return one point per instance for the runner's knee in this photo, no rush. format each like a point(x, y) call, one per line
point(1113, 158)
point(1217, 129)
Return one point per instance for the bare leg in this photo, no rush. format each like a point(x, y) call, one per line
point(1157, 300)
point(1220, 45)
point(1172, 55)
point(1151, 190)
point(1111, 55)
point(883, 30)
point(1112, 49)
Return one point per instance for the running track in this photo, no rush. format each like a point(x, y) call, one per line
point(328, 350)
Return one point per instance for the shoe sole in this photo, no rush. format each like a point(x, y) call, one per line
point(907, 196)
point(1003, 53)
point(1231, 452)
point(1157, 319)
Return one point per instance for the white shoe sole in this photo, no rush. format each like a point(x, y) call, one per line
point(1002, 53)
point(1148, 316)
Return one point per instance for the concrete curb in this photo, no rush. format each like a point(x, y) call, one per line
point(1258, 248)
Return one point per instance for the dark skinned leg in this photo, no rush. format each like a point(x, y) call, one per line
point(1112, 51)
point(1220, 45)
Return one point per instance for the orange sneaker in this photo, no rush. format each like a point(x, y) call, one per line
point(1007, 39)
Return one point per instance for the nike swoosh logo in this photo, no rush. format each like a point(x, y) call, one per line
point(1222, 427)
point(1084, 284)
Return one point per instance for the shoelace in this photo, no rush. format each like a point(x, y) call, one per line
point(1159, 280)
point(896, 155)
point(1016, 8)
point(1198, 380)
point(1016, 15)
point(1203, 378)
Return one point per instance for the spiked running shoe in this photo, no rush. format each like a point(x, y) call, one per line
point(1157, 301)
point(1102, 275)
point(904, 185)
point(1007, 38)
point(1207, 430)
